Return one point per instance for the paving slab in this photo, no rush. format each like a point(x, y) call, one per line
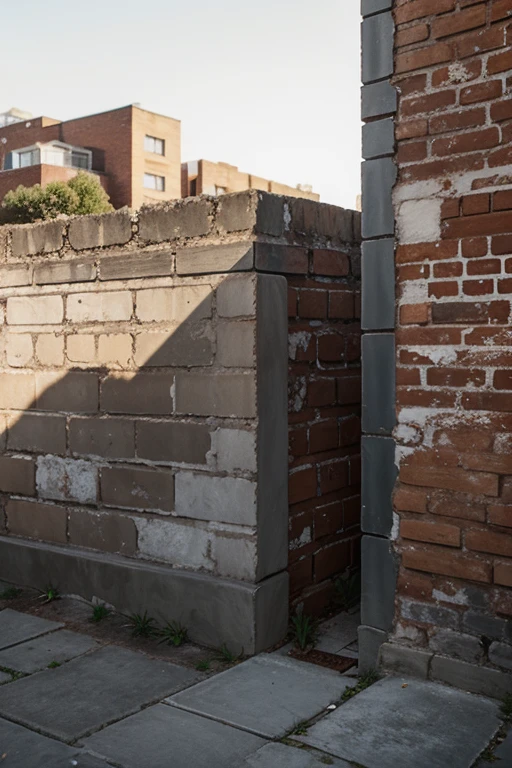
point(16, 627)
point(21, 748)
point(399, 723)
point(4, 677)
point(504, 751)
point(91, 691)
point(36, 654)
point(267, 695)
point(163, 736)
point(337, 633)
point(281, 756)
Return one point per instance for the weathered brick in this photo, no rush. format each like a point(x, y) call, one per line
point(17, 391)
point(432, 532)
point(236, 344)
point(65, 479)
point(37, 433)
point(189, 218)
point(503, 574)
point(100, 231)
point(179, 442)
point(331, 263)
point(72, 391)
point(144, 393)
point(237, 212)
point(16, 275)
point(76, 271)
point(35, 310)
point(115, 349)
point(103, 531)
point(100, 307)
point(447, 563)
point(174, 304)
point(285, 259)
point(136, 488)
point(50, 349)
point(236, 296)
point(108, 438)
point(121, 266)
point(451, 479)
point(37, 238)
point(232, 394)
point(80, 348)
point(188, 345)
point(17, 475)
point(19, 349)
point(204, 260)
point(489, 541)
point(35, 520)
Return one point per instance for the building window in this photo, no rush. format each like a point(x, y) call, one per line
point(154, 182)
point(220, 190)
point(152, 144)
point(32, 157)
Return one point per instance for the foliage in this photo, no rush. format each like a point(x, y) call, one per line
point(80, 195)
point(142, 626)
point(173, 633)
point(49, 594)
point(364, 682)
point(203, 665)
point(348, 590)
point(224, 654)
point(10, 593)
point(53, 664)
point(506, 707)
point(303, 630)
point(99, 612)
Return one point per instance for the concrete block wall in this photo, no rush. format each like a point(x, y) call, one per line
point(143, 406)
point(449, 617)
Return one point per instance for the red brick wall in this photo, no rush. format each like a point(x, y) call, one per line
point(324, 425)
point(453, 204)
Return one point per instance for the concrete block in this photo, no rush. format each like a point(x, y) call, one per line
point(501, 655)
point(412, 724)
point(17, 475)
point(188, 218)
point(179, 544)
point(428, 613)
point(230, 394)
point(121, 266)
point(136, 488)
point(470, 677)
point(127, 680)
point(100, 231)
point(401, 660)
point(171, 441)
point(236, 344)
point(37, 238)
point(216, 611)
point(379, 381)
point(374, 6)
point(17, 391)
point(66, 479)
point(312, 218)
point(189, 345)
point(19, 349)
point(81, 348)
point(379, 574)
point(35, 310)
point(240, 695)
point(378, 100)
point(379, 476)
point(231, 257)
point(370, 641)
point(115, 349)
point(378, 138)
point(144, 393)
point(35, 520)
point(286, 259)
point(113, 306)
point(236, 296)
point(378, 284)
point(50, 349)
point(175, 304)
point(270, 215)
point(73, 392)
point(481, 624)
point(235, 557)
point(237, 212)
point(457, 645)
point(219, 499)
point(37, 433)
point(196, 741)
point(76, 271)
point(378, 178)
point(377, 35)
point(235, 450)
point(103, 531)
point(35, 654)
point(15, 275)
point(16, 627)
point(105, 438)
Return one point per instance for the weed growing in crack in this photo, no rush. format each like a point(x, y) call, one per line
point(506, 707)
point(99, 612)
point(53, 664)
point(49, 594)
point(347, 590)
point(173, 633)
point(303, 630)
point(10, 593)
point(15, 675)
point(203, 665)
point(301, 729)
point(142, 625)
point(224, 654)
point(364, 682)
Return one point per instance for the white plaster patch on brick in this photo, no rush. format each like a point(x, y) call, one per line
point(419, 221)
point(186, 546)
point(287, 217)
point(462, 182)
point(444, 354)
point(395, 528)
point(407, 434)
point(457, 73)
point(297, 394)
point(235, 449)
point(299, 340)
point(401, 452)
point(406, 632)
point(503, 443)
point(417, 190)
point(459, 597)
point(66, 479)
point(224, 499)
point(414, 292)
point(302, 540)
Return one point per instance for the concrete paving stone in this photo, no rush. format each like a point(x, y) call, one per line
point(36, 654)
point(162, 736)
point(504, 751)
point(281, 756)
point(5, 677)
point(413, 723)
point(21, 748)
point(16, 627)
point(267, 695)
point(337, 633)
point(87, 693)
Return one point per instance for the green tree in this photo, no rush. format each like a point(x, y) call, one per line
point(80, 195)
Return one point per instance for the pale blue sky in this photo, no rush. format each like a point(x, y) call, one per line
point(271, 86)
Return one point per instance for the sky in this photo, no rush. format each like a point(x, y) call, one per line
point(271, 86)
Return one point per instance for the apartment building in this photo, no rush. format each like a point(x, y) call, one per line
point(204, 177)
point(136, 154)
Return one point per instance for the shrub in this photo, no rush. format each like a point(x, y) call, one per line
point(81, 194)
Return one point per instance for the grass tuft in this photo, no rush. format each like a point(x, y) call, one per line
point(49, 594)
point(303, 630)
point(364, 682)
point(203, 665)
point(173, 633)
point(10, 593)
point(142, 625)
point(224, 654)
point(99, 612)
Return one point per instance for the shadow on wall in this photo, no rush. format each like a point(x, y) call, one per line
point(150, 443)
